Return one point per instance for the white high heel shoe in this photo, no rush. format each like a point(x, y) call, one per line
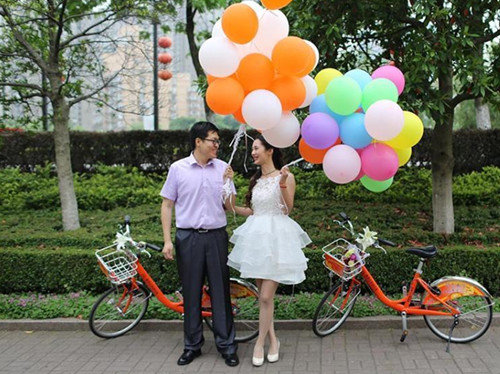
point(274, 357)
point(258, 361)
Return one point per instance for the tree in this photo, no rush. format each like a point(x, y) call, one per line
point(66, 41)
point(436, 44)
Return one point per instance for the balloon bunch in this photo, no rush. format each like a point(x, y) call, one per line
point(258, 73)
point(357, 130)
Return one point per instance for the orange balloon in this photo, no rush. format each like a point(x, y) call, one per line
point(290, 90)
point(240, 23)
point(291, 56)
point(314, 156)
point(310, 62)
point(238, 116)
point(275, 4)
point(210, 78)
point(255, 72)
point(225, 96)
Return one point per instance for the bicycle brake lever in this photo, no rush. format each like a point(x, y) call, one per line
point(142, 248)
point(380, 247)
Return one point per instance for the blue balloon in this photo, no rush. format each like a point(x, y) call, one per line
point(353, 131)
point(360, 76)
point(319, 105)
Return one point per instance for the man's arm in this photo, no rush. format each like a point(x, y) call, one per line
point(166, 223)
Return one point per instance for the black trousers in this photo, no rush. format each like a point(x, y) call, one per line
point(201, 255)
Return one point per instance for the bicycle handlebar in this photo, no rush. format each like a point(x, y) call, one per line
point(153, 247)
point(387, 242)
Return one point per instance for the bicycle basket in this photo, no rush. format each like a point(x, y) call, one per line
point(343, 258)
point(118, 265)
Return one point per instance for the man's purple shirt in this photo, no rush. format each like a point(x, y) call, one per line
point(197, 193)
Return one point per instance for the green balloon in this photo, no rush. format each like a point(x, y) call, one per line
point(379, 89)
point(343, 95)
point(376, 186)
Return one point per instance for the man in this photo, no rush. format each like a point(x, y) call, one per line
point(194, 187)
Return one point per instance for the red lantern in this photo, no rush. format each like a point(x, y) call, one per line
point(164, 75)
point(165, 42)
point(165, 58)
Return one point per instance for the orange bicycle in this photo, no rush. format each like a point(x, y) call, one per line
point(456, 309)
point(122, 307)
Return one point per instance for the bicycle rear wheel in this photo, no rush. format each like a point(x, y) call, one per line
point(245, 307)
point(119, 310)
point(473, 302)
point(335, 307)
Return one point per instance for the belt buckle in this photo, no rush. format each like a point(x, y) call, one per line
point(202, 231)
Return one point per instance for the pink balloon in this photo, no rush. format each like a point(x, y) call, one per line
point(384, 120)
point(379, 161)
point(342, 164)
point(393, 74)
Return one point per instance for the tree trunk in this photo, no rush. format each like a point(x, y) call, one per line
point(442, 157)
point(69, 205)
point(483, 119)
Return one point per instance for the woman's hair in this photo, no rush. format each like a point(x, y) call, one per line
point(277, 161)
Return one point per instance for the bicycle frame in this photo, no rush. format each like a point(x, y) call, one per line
point(404, 304)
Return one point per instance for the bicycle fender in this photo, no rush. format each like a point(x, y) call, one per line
point(452, 287)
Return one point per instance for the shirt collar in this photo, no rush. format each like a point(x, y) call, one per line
point(192, 160)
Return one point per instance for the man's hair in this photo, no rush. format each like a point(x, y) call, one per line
point(201, 130)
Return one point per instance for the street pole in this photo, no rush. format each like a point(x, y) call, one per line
point(45, 120)
point(155, 71)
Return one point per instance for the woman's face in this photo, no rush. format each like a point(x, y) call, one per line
point(260, 154)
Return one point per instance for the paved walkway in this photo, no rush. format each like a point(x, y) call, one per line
point(348, 351)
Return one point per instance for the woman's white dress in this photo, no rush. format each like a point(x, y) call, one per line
point(269, 244)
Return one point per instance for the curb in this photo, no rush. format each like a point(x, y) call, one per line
point(73, 324)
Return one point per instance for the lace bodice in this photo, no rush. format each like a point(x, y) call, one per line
point(266, 197)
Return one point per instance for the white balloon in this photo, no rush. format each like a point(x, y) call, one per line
point(273, 26)
point(384, 120)
point(311, 90)
point(219, 57)
point(261, 109)
point(316, 52)
point(285, 133)
point(255, 6)
point(245, 49)
point(341, 164)
point(217, 30)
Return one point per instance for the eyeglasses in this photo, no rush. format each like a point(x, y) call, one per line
point(214, 141)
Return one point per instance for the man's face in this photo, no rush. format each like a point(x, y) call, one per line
point(210, 145)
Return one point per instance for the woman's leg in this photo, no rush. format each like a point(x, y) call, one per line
point(267, 289)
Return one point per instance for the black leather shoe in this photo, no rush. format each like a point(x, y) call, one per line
point(231, 359)
point(188, 356)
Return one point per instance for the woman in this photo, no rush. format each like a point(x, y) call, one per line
point(268, 246)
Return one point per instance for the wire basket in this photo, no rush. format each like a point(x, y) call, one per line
point(343, 258)
point(119, 266)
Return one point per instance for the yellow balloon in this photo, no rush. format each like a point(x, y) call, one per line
point(324, 77)
point(412, 132)
point(403, 155)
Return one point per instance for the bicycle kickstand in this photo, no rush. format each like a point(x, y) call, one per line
point(405, 327)
point(455, 323)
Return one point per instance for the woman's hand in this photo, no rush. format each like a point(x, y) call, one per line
point(229, 173)
point(285, 172)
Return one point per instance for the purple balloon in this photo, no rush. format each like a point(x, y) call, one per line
point(320, 131)
point(379, 161)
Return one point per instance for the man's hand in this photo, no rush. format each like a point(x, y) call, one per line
point(229, 173)
point(168, 251)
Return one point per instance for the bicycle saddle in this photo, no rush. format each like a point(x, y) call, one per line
point(423, 252)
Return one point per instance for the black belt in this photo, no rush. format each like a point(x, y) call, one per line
point(203, 231)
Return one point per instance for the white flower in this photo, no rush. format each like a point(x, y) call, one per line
point(367, 239)
point(121, 240)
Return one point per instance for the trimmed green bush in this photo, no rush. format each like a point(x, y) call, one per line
point(65, 270)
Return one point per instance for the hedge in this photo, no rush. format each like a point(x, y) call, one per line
point(155, 151)
point(65, 270)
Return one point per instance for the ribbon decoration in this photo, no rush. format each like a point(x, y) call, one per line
point(242, 132)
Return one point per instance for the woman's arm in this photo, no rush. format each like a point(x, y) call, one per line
point(287, 187)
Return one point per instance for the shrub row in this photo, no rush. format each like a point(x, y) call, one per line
point(112, 187)
point(155, 151)
point(65, 270)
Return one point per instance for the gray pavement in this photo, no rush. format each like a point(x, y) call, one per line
point(373, 351)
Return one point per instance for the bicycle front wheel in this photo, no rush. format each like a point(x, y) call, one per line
point(245, 308)
point(119, 310)
point(335, 307)
point(473, 302)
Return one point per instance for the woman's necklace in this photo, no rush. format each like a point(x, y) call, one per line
point(272, 171)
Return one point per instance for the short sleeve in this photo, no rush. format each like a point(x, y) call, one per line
point(169, 190)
